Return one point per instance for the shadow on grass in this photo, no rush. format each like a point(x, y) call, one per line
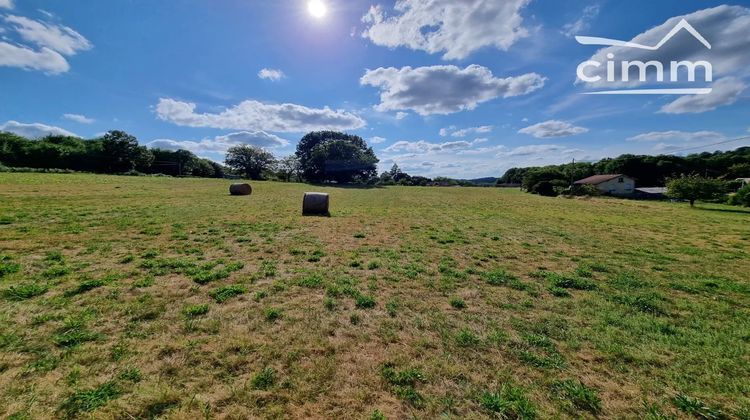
point(725, 210)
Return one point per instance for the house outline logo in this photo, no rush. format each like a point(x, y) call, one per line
point(626, 66)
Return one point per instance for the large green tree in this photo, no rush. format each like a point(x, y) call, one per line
point(334, 156)
point(252, 162)
point(122, 152)
point(695, 187)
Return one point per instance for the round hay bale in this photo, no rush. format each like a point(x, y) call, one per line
point(315, 203)
point(240, 189)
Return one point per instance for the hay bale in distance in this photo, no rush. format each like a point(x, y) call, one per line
point(315, 203)
point(240, 189)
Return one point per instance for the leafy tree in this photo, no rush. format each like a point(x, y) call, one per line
point(219, 169)
point(203, 168)
point(252, 162)
point(739, 170)
point(121, 151)
point(544, 180)
point(398, 175)
point(695, 187)
point(288, 168)
point(334, 156)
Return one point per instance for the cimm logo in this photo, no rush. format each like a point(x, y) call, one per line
point(587, 70)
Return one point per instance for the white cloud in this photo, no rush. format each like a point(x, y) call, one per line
point(583, 23)
point(257, 116)
point(675, 135)
point(52, 41)
point(470, 130)
point(455, 28)
point(220, 144)
point(58, 38)
point(401, 115)
point(271, 74)
point(727, 28)
point(725, 91)
point(422, 146)
point(82, 119)
point(447, 130)
point(532, 150)
point(552, 128)
point(376, 140)
point(34, 130)
point(6, 4)
point(44, 59)
point(444, 89)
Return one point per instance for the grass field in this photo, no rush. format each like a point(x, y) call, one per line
point(157, 297)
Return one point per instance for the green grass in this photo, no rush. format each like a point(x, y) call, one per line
point(224, 293)
point(264, 379)
point(457, 303)
point(24, 291)
point(508, 402)
point(576, 396)
point(406, 302)
point(194, 311)
point(91, 399)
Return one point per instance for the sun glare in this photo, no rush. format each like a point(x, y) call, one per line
point(317, 9)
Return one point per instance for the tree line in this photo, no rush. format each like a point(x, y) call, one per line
point(116, 152)
point(649, 171)
point(320, 157)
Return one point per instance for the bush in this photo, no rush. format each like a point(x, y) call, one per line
point(585, 190)
point(742, 198)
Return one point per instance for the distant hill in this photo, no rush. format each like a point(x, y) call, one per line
point(482, 181)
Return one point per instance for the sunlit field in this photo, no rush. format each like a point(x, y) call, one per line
point(138, 297)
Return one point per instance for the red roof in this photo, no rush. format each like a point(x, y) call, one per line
point(597, 179)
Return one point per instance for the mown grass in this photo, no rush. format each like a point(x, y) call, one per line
point(151, 297)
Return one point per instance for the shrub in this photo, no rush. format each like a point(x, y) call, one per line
point(742, 198)
point(585, 190)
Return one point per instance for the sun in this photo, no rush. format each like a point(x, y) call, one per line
point(317, 9)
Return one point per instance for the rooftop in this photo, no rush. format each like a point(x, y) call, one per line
point(597, 179)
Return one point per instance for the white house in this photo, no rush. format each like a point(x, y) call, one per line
point(745, 181)
point(616, 184)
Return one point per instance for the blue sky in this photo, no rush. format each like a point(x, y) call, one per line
point(464, 89)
